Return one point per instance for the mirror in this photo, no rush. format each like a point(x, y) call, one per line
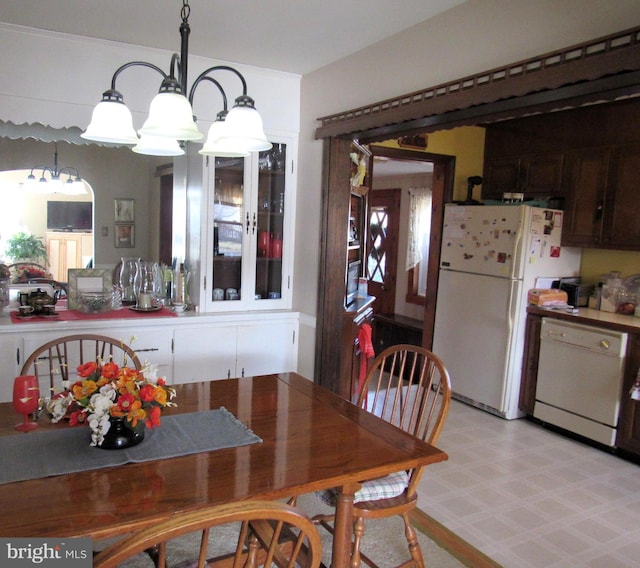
point(111, 172)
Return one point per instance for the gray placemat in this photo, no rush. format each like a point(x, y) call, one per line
point(67, 450)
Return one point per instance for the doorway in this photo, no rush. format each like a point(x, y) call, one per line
point(395, 276)
point(165, 253)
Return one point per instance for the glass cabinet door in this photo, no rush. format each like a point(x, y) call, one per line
point(270, 222)
point(247, 231)
point(228, 231)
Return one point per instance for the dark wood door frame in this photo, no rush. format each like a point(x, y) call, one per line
point(333, 247)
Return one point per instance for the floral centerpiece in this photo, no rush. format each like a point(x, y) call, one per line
point(106, 392)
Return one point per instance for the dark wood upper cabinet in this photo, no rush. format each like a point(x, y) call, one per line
point(622, 210)
point(537, 176)
point(585, 161)
point(587, 173)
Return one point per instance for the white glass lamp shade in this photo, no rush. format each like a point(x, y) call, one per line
point(158, 146)
point(214, 146)
point(33, 185)
point(73, 188)
point(244, 130)
point(171, 116)
point(111, 122)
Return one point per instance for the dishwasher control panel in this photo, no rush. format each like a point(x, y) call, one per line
point(585, 337)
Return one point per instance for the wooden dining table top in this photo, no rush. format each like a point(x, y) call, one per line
point(312, 439)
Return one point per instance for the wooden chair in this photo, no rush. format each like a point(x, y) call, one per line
point(271, 533)
point(56, 361)
point(409, 387)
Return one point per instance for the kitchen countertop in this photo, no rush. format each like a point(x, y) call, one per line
point(588, 316)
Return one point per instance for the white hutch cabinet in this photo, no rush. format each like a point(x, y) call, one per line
point(190, 347)
point(242, 347)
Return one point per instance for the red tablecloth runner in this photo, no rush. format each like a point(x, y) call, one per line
point(74, 315)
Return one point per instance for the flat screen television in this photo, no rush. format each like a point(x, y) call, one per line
point(69, 215)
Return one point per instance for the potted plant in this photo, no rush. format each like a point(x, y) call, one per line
point(23, 246)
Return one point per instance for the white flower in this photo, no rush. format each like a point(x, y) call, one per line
point(58, 406)
point(101, 403)
point(99, 427)
point(150, 372)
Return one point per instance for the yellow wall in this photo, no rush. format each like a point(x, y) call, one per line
point(466, 143)
point(596, 262)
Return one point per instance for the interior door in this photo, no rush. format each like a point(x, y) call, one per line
point(382, 248)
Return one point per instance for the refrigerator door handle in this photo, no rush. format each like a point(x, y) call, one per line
point(518, 252)
point(512, 305)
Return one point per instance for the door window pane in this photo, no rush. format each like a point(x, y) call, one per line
point(376, 262)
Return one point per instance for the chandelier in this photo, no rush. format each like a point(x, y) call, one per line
point(50, 180)
point(235, 132)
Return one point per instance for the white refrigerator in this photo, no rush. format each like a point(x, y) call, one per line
point(491, 256)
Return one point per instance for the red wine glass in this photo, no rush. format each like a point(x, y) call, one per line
point(26, 394)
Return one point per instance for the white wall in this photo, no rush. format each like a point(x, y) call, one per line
point(475, 36)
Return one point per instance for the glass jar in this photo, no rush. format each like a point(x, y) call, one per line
point(128, 270)
point(148, 285)
point(626, 302)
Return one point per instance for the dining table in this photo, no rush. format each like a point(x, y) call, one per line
point(310, 439)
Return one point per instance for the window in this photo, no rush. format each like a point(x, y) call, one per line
point(418, 244)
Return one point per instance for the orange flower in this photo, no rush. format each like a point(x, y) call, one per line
point(154, 417)
point(102, 381)
point(84, 389)
point(77, 417)
point(147, 393)
point(87, 369)
point(127, 373)
point(136, 413)
point(110, 370)
point(126, 401)
point(161, 396)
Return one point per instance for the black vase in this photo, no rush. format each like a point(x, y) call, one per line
point(122, 435)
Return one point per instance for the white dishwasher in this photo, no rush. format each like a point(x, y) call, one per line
point(580, 373)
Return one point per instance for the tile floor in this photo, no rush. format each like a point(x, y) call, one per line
point(528, 497)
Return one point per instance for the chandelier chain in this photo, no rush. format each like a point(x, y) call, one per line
point(186, 11)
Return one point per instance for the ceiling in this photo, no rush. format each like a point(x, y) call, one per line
point(384, 167)
point(297, 36)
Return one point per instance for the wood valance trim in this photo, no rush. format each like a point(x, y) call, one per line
point(610, 63)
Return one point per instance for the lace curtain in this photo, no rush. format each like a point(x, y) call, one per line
point(419, 231)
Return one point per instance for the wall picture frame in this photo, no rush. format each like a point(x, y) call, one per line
point(86, 280)
point(124, 209)
point(124, 235)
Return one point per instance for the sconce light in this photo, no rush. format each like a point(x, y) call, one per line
point(236, 132)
